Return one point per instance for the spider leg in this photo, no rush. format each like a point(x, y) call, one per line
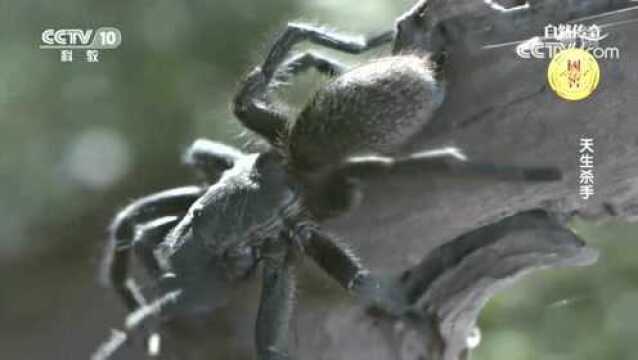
point(148, 236)
point(211, 158)
point(449, 161)
point(275, 308)
point(441, 297)
point(121, 233)
point(344, 266)
point(302, 62)
point(341, 190)
point(135, 321)
point(251, 104)
point(297, 32)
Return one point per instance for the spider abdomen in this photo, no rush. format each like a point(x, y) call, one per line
point(373, 108)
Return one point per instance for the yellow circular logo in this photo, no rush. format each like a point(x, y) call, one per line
point(573, 74)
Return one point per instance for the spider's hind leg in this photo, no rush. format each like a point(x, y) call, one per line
point(446, 161)
point(302, 62)
point(344, 266)
point(341, 190)
point(252, 105)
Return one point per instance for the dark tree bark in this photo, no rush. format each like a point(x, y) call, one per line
point(461, 233)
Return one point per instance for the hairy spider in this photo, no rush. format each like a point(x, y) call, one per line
point(265, 208)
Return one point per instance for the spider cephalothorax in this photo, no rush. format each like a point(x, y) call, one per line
point(264, 209)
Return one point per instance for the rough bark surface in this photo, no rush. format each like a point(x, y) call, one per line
point(498, 109)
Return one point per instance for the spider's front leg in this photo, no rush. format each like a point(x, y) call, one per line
point(115, 267)
point(148, 236)
point(208, 157)
point(252, 105)
point(140, 226)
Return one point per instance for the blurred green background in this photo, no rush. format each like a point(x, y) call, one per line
point(80, 140)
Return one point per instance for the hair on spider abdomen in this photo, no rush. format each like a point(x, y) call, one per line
point(373, 108)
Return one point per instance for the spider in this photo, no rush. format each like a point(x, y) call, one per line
point(263, 211)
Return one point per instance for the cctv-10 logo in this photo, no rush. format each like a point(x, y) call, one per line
point(89, 40)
